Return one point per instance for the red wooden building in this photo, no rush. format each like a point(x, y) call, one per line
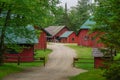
point(100, 58)
point(42, 41)
point(54, 32)
point(26, 42)
point(68, 37)
point(85, 38)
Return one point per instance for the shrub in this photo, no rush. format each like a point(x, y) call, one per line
point(113, 72)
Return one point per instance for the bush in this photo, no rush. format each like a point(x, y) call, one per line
point(112, 73)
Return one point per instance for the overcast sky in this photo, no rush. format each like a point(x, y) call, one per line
point(70, 3)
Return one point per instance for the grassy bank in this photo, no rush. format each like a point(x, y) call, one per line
point(9, 68)
point(92, 74)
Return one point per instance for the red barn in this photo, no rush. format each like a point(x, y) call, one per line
point(68, 37)
point(42, 43)
point(54, 32)
point(26, 42)
point(85, 38)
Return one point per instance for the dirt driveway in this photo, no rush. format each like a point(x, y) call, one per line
point(58, 67)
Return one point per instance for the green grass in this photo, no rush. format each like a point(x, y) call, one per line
point(82, 52)
point(117, 57)
point(9, 68)
point(92, 74)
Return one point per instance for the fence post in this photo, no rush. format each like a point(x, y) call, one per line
point(44, 61)
point(73, 62)
point(18, 63)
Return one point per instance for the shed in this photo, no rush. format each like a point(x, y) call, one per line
point(99, 57)
point(88, 39)
point(68, 37)
point(42, 41)
point(54, 32)
point(24, 37)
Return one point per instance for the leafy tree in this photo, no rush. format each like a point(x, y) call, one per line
point(74, 17)
point(107, 20)
point(79, 14)
point(107, 17)
point(17, 13)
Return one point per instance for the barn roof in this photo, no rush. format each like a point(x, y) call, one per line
point(53, 30)
point(88, 24)
point(97, 53)
point(21, 35)
point(66, 34)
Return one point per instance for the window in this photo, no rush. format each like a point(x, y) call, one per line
point(86, 38)
point(73, 39)
point(11, 51)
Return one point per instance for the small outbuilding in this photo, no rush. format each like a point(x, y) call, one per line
point(99, 57)
point(25, 37)
point(68, 37)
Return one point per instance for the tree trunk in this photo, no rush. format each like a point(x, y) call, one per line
point(2, 47)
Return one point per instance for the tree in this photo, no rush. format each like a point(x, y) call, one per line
point(17, 13)
point(107, 17)
point(74, 17)
point(107, 20)
point(79, 14)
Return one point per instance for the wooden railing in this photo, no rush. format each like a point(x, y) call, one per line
point(77, 60)
point(17, 59)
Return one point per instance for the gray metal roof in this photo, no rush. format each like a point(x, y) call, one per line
point(21, 35)
point(88, 24)
point(66, 34)
point(97, 53)
point(53, 30)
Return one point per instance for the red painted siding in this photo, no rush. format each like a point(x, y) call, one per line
point(70, 39)
point(26, 55)
point(42, 41)
point(98, 62)
point(61, 32)
point(86, 39)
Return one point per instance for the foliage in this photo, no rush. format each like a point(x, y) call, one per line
point(106, 15)
point(112, 73)
point(74, 17)
point(17, 13)
point(79, 14)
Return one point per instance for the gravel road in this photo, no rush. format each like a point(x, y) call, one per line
point(58, 67)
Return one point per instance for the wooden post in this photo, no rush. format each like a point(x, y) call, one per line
point(44, 61)
point(18, 63)
point(73, 62)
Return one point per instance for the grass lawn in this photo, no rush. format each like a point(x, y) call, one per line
point(92, 74)
point(9, 68)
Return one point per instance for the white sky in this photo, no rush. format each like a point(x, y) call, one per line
point(70, 3)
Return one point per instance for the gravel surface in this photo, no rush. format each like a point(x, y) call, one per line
point(58, 67)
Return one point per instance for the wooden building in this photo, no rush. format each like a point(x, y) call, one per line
point(85, 38)
point(101, 58)
point(68, 37)
point(26, 38)
point(42, 41)
point(54, 32)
